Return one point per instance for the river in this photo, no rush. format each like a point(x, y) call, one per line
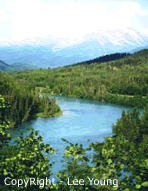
point(82, 120)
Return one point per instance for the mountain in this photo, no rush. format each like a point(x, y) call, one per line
point(23, 66)
point(138, 49)
point(4, 66)
point(105, 58)
point(41, 56)
point(52, 52)
point(16, 66)
point(102, 43)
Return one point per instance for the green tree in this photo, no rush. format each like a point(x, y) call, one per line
point(122, 158)
point(26, 158)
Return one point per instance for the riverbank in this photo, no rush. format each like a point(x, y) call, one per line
point(23, 102)
point(118, 99)
point(121, 82)
point(44, 115)
point(87, 120)
point(81, 120)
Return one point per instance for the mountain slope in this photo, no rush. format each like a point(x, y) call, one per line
point(107, 42)
point(23, 66)
point(122, 81)
point(16, 66)
point(4, 66)
point(52, 52)
point(105, 58)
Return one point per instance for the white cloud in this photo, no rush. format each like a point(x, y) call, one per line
point(5, 16)
point(133, 9)
point(36, 18)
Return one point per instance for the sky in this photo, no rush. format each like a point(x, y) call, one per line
point(33, 20)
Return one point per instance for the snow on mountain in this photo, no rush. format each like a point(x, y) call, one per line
point(119, 37)
point(54, 52)
point(106, 42)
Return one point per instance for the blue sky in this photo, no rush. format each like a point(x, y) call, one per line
point(22, 20)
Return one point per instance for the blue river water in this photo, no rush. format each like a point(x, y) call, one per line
point(82, 120)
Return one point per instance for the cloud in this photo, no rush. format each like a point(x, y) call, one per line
point(133, 9)
point(5, 16)
point(37, 18)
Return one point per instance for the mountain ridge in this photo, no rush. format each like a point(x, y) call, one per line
point(16, 66)
point(4, 66)
point(102, 59)
point(55, 52)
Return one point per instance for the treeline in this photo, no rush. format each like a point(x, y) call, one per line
point(105, 58)
point(120, 163)
point(24, 102)
point(123, 81)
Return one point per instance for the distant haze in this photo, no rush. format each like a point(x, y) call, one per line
point(56, 33)
point(91, 46)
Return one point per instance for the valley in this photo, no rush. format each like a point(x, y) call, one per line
point(101, 134)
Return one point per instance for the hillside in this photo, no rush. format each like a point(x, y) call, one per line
point(105, 58)
point(123, 81)
point(5, 67)
point(122, 156)
point(23, 66)
point(25, 102)
point(16, 66)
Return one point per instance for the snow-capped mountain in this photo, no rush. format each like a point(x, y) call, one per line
point(101, 43)
point(118, 37)
point(54, 52)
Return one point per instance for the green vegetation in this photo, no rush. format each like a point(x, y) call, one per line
point(24, 159)
point(126, 154)
point(123, 81)
point(105, 58)
point(122, 157)
point(121, 161)
point(25, 102)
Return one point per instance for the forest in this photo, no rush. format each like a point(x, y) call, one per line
point(105, 58)
point(123, 81)
point(123, 157)
point(25, 103)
